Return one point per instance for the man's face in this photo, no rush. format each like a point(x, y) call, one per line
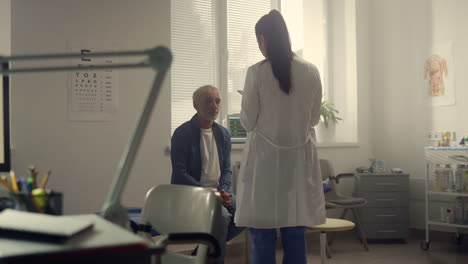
point(208, 105)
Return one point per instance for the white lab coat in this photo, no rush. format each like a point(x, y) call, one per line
point(279, 183)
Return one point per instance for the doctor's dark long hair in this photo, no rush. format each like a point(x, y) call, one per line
point(278, 46)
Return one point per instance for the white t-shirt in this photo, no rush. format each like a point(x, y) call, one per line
point(211, 172)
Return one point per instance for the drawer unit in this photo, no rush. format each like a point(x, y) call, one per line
point(386, 231)
point(382, 182)
point(386, 214)
point(385, 199)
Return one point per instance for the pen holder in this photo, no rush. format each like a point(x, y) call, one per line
point(52, 202)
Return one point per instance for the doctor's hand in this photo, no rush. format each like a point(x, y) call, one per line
point(225, 198)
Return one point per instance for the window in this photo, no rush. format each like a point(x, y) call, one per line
point(194, 45)
point(340, 70)
point(214, 43)
point(242, 47)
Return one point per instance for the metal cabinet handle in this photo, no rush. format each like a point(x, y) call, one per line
point(386, 183)
point(385, 199)
point(386, 215)
point(386, 231)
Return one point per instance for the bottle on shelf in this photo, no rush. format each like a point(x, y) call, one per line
point(465, 211)
point(462, 142)
point(459, 210)
point(466, 181)
point(447, 178)
point(449, 219)
point(438, 171)
point(459, 182)
point(446, 139)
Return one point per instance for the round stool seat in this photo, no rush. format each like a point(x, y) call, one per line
point(333, 224)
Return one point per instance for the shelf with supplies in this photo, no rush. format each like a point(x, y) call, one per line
point(446, 176)
point(439, 222)
point(454, 194)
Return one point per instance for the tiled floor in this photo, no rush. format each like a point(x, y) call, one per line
point(348, 250)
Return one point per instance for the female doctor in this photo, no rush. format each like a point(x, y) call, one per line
point(279, 185)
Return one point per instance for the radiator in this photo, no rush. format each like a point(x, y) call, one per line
point(235, 175)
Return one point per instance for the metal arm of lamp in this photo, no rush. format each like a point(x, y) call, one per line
point(160, 59)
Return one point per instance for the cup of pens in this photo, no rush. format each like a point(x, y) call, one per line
point(28, 195)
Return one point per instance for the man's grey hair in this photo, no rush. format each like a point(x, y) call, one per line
point(197, 95)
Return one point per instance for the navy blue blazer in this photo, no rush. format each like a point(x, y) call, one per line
point(186, 154)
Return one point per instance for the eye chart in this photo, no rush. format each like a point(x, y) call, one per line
point(92, 93)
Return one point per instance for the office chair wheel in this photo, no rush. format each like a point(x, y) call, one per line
point(425, 245)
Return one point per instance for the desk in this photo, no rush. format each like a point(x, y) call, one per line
point(105, 243)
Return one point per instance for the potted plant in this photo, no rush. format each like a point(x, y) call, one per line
point(328, 113)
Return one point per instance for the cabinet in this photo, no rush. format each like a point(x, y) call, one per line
point(449, 157)
point(386, 215)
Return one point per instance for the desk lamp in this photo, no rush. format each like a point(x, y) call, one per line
point(158, 58)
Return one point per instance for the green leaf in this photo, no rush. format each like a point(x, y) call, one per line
point(329, 113)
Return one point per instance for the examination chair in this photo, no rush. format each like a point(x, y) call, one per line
point(333, 199)
point(182, 215)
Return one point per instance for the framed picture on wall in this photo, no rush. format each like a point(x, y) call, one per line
point(5, 120)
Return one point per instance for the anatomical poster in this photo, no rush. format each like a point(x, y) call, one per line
point(439, 74)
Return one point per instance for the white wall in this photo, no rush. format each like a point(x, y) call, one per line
point(449, 24)
point(5, 27)
point(84, 155)
point(401, 39)
point(403, 35)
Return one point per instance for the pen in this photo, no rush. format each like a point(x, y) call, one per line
point(32, 179)
point(34, 175)
point(45, 178)
point(29, 183)
point(14, 185)
point(24, 185)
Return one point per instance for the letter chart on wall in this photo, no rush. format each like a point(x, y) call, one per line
point(92, 93)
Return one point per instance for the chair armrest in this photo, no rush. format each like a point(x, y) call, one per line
point(341, 175)
point(192, 238)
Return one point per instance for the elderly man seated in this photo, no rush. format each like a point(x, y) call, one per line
point(201, 156)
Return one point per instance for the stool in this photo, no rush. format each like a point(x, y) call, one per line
point(331, 225)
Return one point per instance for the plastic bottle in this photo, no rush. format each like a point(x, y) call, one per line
point(448, 216)
point(465, 211)
point(438, 178)
point(446, 139)
point(466, 181)
point(459, 210)
point(447, 178)
point(460, 178)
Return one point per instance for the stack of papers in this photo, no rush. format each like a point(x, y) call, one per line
point(40, 227)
